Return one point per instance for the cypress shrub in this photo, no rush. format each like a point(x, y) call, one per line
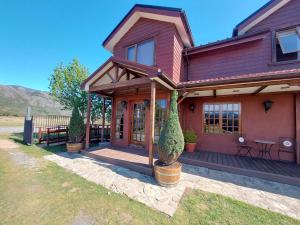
point(76, 127)
point(171, 141)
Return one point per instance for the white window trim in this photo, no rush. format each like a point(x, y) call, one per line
point(136, 50)
point(279, 35)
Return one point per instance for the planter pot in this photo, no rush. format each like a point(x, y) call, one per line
point(190, 147)
point(74, 147)
point(167, 176)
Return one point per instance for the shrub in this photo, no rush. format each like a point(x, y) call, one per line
point(76, 127)
point(190, 136)
point(171, 141)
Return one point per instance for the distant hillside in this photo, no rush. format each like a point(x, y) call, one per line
point(15, 99)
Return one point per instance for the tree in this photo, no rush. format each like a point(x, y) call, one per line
point(171, 141)
point(76, 127)
point(65, 87)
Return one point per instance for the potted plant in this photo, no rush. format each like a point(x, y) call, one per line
point(75, 132)
point(170, 145)
point(190, 140)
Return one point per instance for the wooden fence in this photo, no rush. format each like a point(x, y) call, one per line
point(54, 129)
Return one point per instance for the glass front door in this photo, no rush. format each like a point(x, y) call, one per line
point(138, 123)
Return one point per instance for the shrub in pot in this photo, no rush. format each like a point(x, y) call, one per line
point(170, 145)
point(190, 140)
point(76, 131)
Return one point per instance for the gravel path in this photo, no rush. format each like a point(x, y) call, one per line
point(269, 195)
point(9, 130)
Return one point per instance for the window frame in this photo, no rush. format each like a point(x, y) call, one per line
point(116, 123)
point(221, 118)
point(274, 43)
point(136, 50)
point(167, 113)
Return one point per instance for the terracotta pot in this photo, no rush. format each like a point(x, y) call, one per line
point(74, 147)
point(190, 147)
point(167, 176)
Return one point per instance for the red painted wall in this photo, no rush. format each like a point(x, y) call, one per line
point(168, 45)
point(279, 121)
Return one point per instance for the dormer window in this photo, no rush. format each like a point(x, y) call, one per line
point(288, 45)
point(142, 53)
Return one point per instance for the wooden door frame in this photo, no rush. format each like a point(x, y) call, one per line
point(131, 112)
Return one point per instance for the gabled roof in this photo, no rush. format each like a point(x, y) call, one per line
point(262, 13)
point(167, 14)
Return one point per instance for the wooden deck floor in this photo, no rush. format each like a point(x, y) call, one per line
point(137, 159)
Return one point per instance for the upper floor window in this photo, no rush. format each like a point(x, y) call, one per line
point(142, 53)
point(288, 45)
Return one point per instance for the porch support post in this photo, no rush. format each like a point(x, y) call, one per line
point(297, 121)
point(152, 119)
point(88, 122)
point(103, 119)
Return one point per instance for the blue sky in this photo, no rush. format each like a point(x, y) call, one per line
point(36, 35)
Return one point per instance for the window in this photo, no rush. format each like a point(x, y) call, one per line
point(288, 45)
point(160, 117)
point(119, 121)
point(221, 118)
point(142, 53)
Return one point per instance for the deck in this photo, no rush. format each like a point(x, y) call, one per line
point(137, 159)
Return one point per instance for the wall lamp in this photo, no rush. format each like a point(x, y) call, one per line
point(192, 107)
point(124, 104)
point(267, 105)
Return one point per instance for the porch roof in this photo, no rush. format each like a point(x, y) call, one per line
point(117, 72)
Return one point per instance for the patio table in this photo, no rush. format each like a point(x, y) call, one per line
point(265, 147)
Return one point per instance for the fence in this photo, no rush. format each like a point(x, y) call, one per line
point(54, 129)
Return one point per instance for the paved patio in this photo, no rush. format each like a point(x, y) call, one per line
point(277, 197)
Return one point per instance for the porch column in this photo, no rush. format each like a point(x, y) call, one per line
point(88, 122)
point(103, 119)
point(297, 123)
point(152, 120)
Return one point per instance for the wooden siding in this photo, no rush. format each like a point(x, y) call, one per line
point(288, 15)
point(168, 44)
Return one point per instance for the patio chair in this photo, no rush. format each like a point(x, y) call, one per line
point(244, 148)
point(286, 145)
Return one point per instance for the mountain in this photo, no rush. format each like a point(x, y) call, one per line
point(14, 101)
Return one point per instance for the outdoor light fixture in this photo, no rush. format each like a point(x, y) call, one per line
point(192, 107)
point(147, 103)
point(267, 105)
point(124, 104)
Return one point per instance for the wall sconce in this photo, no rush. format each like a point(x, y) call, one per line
point(267, 105)
point(192, 107)
point(124, 104)
point(147, 103)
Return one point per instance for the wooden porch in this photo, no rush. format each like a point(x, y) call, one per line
point(137, 159)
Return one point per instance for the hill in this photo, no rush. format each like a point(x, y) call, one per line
point(15, 99)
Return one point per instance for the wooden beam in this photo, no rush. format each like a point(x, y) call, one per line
point(258, 90)
point(152, 121)
point(215, 93)
point(121, 84)
point(103, 119)
point(297, 124)
point(185, 94)
point(88, 122)
point(123, 72)
point(102, 75)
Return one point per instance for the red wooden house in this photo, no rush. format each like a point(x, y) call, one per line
point(223, 85)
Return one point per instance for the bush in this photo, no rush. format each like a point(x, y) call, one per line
point(190, 136)
point(76, 127)
point(171, 141)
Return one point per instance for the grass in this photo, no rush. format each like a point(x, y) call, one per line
point(11, 121)
point(52, 195)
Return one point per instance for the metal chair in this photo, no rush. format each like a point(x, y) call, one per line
point(286, 145)
point(243, 146)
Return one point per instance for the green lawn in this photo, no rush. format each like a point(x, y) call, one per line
point(52, 195)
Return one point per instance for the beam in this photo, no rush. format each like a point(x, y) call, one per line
point(185, 94)
point(215, 93)
point(88, 122)
point(121, 84)
point(297, 124)
point(258, 90)
point(152, 121)
point(103, 119)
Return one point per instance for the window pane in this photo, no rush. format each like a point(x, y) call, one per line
point(145, 53)
point(131, 53)
point(289, 42)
